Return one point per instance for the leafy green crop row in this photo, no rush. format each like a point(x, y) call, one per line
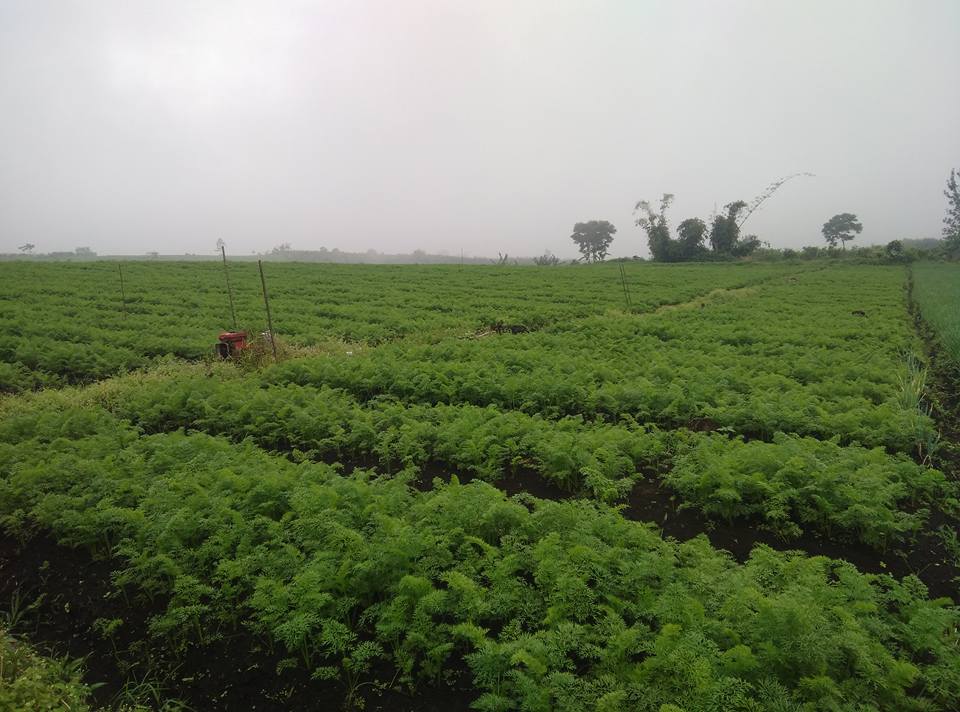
point(66, 322)
point(553, 606)
point(821, 353)
point(328, 424)
point(789, 484)
point(794, 482)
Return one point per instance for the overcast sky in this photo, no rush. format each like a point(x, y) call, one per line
point(131, 126)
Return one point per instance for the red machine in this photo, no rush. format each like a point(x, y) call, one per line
point(231, 343)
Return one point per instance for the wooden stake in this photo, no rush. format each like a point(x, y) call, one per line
point(226, 274)
point(266, 303)
point(123, 294)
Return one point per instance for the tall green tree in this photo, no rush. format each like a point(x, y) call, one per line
point(691, 234)
point(841, 228)
point(725, 229)
point(654, 223)
point(593, 238)
point(951, 222)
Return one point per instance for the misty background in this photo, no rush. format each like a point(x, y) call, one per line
point(444, 126)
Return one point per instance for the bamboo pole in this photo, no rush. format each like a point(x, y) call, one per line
point(266, 303)
point(123, 294)
point(226, 274)
point(623, 281)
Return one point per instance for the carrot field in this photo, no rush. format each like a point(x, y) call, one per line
point(679, 487)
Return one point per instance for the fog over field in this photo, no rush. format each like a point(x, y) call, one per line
point(489, 126)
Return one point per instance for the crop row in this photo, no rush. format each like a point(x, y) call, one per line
point(67, 322)
point(790, 484)
point(822, 353)
point(551, 605)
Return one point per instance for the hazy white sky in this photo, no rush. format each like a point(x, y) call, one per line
point(131, 126)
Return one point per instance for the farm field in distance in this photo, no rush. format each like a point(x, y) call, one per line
point(702, 487)
point(937, 293)
point(68, 323)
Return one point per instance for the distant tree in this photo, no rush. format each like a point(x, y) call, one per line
point(655, 225)
point(27, 248)
point(153, 255)
point(84, 252)
point(724, 233)
point(725, 229)
point(547, 259)
point(951, 223)
point(281, 249)
point(593, 238)
point(691, 234)
point(841, 228)
point(895, 251)
point(220, 244)
point(746, 246)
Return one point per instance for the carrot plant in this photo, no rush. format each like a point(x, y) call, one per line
point(791, 356)
point(63, 323)
point(363, 581)
point(288, 508)
point(31, 681)
point(794, 483)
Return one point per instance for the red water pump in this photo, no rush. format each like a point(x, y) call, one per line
point(231, 343)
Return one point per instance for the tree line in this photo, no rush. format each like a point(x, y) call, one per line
point(720, 236)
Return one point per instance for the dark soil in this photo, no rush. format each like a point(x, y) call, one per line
point(516, 481)
point(77, 591)
point(943, 391)
point(235, 672)
point(702, 425)
point(650, 501)
point(520, 480)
